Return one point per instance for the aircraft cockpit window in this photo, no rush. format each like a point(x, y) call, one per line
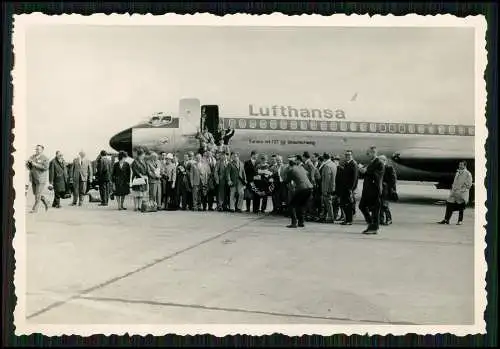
point(166, 119)
point(160, 119)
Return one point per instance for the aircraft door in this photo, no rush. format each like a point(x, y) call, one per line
point(189, 115)
point(210, 118)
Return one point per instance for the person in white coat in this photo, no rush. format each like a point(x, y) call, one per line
point(459, 194)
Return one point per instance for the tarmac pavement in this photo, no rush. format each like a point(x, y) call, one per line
point(91, 264)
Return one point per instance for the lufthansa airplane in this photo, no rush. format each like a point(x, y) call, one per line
point(426, 152)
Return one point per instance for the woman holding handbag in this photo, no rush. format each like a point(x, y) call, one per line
point(139, 183)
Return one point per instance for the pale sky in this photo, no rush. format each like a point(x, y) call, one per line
point(86, 83)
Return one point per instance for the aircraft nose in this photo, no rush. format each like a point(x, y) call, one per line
point(122, 141)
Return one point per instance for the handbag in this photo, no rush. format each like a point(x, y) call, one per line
point(393, 195)
point(138, 181)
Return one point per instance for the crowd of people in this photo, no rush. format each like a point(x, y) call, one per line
point(307, 188)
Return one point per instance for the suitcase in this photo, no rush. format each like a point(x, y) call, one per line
point(149, 206)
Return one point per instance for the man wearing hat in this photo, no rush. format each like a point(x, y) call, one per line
point(104, 173)
point(303, 187)
point(169, 176)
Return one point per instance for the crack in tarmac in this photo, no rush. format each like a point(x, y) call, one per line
point(247, 311)
point(137, 270)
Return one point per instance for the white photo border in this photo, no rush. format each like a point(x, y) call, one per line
point(21, 22)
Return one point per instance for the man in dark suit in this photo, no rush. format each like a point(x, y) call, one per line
point(182, 184)
point(250, 173)
point(350, 176)
point(81, 175)
point(104, 174)
point(58, 178)
point(38, 164)
point(236, 180)
point(220, 178)
point(372, 191)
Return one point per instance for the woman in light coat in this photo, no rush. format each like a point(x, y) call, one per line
point(139, 171)
point(459, 194)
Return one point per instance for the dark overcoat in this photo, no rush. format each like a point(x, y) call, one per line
point(121, 178)
point(58, 176)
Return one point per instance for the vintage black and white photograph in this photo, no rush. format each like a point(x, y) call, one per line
point(249, 174)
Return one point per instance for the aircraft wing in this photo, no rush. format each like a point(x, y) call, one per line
point(433, 159)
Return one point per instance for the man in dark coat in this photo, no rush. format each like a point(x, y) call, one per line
point(220, 177)
point(302, 191)
point(338, 211)
point(372, 191)
point(58, 178)
point(182, 184)
point(350, 176)
point(250, 174)
point(104, 176)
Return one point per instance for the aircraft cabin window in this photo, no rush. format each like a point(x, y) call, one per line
point(383, 128)
point(283, 124)
point(421, 129)
point(402, 128)
point(441, 129)
point(242, 123)
point(461, 130)
point(293, 125)
point(392, 128)
point(263, 124)
point(471, 131)
point(313, 125)
point(411, 128)
point(353, 127)
point(273, 124)
point(432, 129)
point(373, 127)
point(451, 130)
point(363, 127)
point(333, 126)
point(303, 125)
